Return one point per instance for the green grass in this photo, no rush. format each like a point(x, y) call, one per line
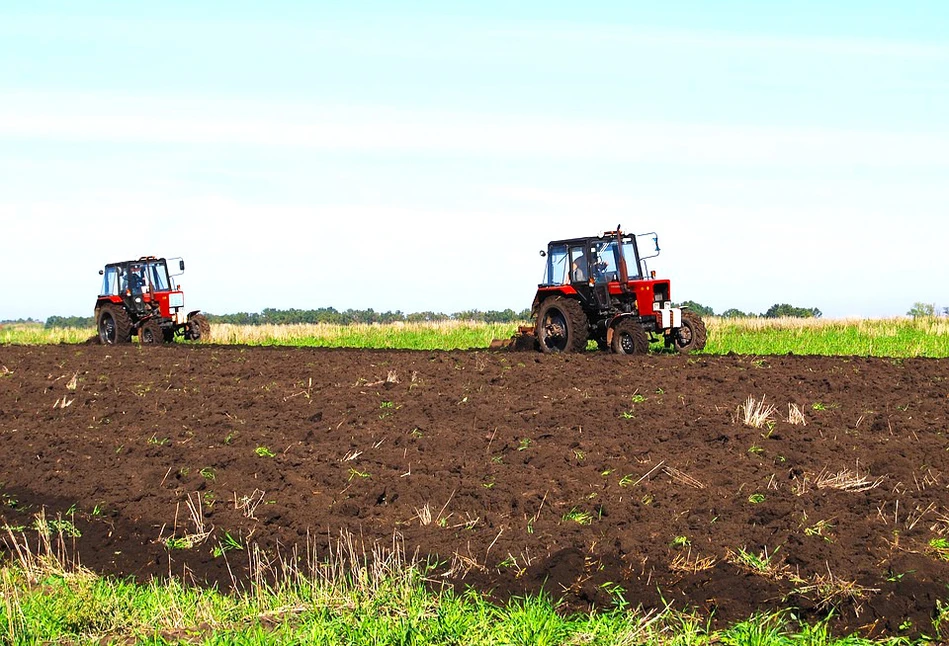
point(893, 337)
point(37, 334)
point(354, 596)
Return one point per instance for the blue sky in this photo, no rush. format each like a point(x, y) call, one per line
point(416, 156)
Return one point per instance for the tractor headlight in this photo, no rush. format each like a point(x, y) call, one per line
point(176, 299)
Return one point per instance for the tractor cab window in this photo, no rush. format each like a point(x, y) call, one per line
point(579, 272)
point(632, 258)
point(110, 282)
point(557, 266)
point(156, 274)
point(605, 266)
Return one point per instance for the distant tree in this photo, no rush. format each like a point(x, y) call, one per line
point(732, 313)
point(784, 309)
point(922, 309)
point(240, 318)
point(490, 316)
point(69, 321)
point(503, 316)
point(698, 308)
point(21, 321)
point(418, 317)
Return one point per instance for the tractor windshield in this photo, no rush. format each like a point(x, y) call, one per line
point(156, 274)
point(605, 257)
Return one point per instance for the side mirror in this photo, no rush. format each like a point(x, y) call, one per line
point(543, 254)
point(181, 265)
point(101, 271)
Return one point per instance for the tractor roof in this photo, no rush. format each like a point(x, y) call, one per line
point(606, 235)
point(142, 259)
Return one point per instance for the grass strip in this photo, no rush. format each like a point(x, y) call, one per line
point(892, 337)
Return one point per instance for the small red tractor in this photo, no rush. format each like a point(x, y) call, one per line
point(140, 298)
point(600, 289)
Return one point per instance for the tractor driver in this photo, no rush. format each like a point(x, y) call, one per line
point(599, 269)
point(578, 272)
point(136, 280)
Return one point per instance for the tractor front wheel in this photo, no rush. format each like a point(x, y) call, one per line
point(561, 326)
point(629, 337)
point(151, 332)
point(691, 336)
point(114, 325)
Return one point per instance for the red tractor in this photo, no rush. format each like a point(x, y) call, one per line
point(599, 289)
point(140, 298)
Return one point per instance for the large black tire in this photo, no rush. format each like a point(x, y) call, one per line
point(629, 337)
point(561, 326)
point(114, 325)
point(151, 332)
point(199, 324)
point(691, 336)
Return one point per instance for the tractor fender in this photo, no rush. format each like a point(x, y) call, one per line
point(190, 314)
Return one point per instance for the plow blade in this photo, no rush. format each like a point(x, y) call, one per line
point(523, 341)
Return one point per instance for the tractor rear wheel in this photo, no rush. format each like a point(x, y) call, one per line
point(561, 326)
point(629, 337)
point(151, 332)
point(114, 325)
point(199, 324)
point(691, 336)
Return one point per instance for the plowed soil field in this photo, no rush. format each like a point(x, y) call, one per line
point(594, 477)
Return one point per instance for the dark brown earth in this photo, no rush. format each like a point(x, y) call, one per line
point(503, 450)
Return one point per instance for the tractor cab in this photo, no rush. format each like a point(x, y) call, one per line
point(605, 273)
point(138, 277)
point(591, 261)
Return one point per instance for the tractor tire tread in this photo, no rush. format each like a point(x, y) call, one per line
point(575, 322)
point(698, 333)
point(122, 324)
point(629, 337)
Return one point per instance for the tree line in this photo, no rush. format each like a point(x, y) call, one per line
point(927, 309)
point(273, 316)
point(777, 310)
point(330, 315)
